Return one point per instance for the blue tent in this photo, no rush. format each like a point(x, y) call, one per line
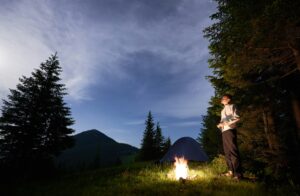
point(185, 147)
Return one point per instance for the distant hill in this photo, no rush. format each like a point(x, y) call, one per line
point(94, 149)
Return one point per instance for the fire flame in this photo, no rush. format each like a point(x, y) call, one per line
point(181, 168)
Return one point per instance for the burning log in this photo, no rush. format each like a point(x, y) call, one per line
point(182, 180)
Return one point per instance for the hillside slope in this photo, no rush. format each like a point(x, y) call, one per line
point(92, 149)
point(145, 179)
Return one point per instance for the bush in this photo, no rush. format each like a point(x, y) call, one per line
point(218, 164)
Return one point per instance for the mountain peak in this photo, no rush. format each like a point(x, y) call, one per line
point(93, 135)
point(92, 131)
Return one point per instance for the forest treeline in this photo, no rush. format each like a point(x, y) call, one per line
point(154, 145)
point(255, 48)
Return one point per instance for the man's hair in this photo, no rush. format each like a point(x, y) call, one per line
point(228, 96)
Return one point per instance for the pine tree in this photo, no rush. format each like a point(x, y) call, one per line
point(210, 136)
point(254, 50)
point(158, 141)
point(148, 144)
point(166, 145)
point(34, 126)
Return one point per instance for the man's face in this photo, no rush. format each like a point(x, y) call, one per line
point(225, 100)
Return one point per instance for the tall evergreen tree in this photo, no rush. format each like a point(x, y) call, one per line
point(34, 125)
point(255, 57)
point(166, 145)
point(210, 137)
point(158, 141)
point(148, 143)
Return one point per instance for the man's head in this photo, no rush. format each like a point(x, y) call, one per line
point(226, 99)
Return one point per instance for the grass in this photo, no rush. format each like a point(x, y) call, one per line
point(143, 179)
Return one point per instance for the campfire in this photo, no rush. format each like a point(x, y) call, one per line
point(181, 168)
point(181, 172)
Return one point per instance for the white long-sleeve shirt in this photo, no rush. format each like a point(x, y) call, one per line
point(229, 113)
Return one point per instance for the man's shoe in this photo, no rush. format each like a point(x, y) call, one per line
point(237, 177)
point(227, 174)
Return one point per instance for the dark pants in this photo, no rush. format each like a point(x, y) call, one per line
point(231, 151)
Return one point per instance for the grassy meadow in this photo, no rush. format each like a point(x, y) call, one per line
point(145, 179)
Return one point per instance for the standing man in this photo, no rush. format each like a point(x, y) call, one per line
point(229, 118)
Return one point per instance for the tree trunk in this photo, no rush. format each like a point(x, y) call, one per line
point(296, 110)
point(293, 40)
point(297, 57)
point(266, 129)
point(269, 128)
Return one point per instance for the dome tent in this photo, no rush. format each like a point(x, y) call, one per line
point(185, 147)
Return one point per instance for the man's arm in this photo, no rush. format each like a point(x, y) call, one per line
point(236, 116)
point(232, 122)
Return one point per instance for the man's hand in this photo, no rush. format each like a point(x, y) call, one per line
point(220, 125)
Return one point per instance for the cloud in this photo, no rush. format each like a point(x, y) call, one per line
point(187, 123)
point(31, 31)
point(184, 106)
point(120, 58)
point(136, 122)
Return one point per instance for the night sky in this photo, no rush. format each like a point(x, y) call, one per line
point(120, 59)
